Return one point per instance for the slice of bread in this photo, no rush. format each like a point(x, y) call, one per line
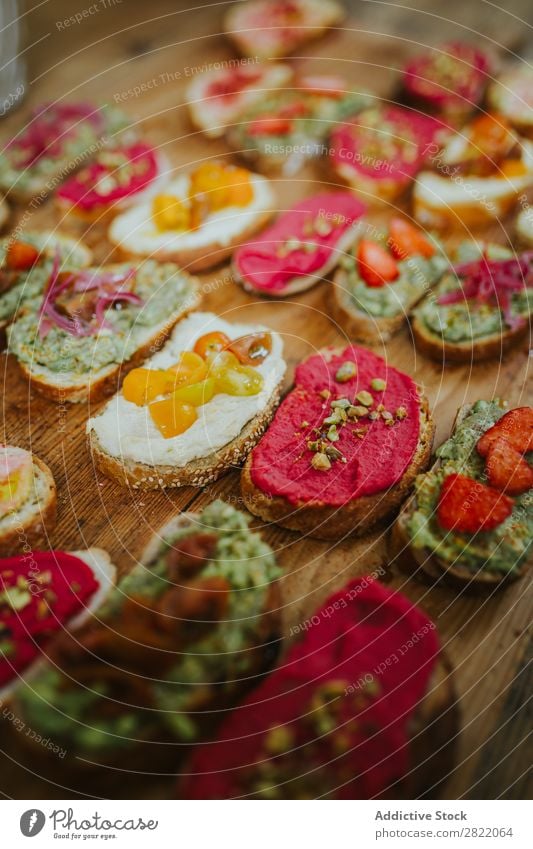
point(486, 348)
point(358, 326)
point(424, 564)
point(269, 28)
point(33, 520)
point(149, 473)
point(4, 213)
point(357, 516)
point(105, 573)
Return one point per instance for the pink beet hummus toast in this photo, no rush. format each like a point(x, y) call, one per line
point(301, 247)
point(117, 177)
point(343, 449)
point(381, 150)
point(362, 707)
point(449, 79)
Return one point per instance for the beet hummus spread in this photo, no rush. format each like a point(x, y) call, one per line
point(301, 242)
point(349, 428)
point(39, 593)
point(334, 720)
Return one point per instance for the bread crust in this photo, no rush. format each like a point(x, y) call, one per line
point(110, 378)
point(424, 564)
point(202, 258)
point(358, 326)
point(357, 517)
point(198, 473)
point(37, 527)
point(488, 348)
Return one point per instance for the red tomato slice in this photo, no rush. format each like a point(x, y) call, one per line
point(407, 240)
point(21, 256)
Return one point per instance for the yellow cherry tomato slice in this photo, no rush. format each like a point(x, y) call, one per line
point(172, 417)
point(170, 213)
point(243, 380)
point(253, 349)
point(211, 343)
point(196, 394)
point(190, 368)
point(142, 385)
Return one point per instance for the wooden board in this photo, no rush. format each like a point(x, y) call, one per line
point(132, 43)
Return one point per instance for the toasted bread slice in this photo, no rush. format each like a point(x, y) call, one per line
point(269, 28)
point(105, 573)
point(424, 564)
point(34, 519)
point(356, 324)
point(487, 348)
point(149, 461)
point(358, 516)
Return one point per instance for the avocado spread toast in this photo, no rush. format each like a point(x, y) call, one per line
point(180, 639)
point(479, 310)
point(470, 520)
point(72, 341)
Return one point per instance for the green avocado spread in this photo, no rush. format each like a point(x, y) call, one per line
point(467, 321)
point(164, 290)
point(416, 276)
point(502, 549)
point(78, 716)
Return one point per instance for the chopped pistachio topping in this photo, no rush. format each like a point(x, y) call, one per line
point(401, 413)
point(378, 384)
point(321, 462)
point(346, 371)
point(365, 398)
point(333, 435)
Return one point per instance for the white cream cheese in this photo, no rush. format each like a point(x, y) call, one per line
point(127, 431)
point(135, 229)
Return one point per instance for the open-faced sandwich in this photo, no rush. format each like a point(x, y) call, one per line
point(117, 177)
point(478, 310)
point(216, 98)
point(26, 263)
point(362, 707)
point(27, 500)
point(288, 127)
point(92, 325)
point(380, 151)
point(195, 409)
point(301, 248)
point(43, 593)
point(381, 279)
point(449, 79)
point(511, 96)
point(476, 177)
point(199, 220)
point(470, 521)
point(343, 449)
point(178, 641)
point(271, 28)
point(57, 137)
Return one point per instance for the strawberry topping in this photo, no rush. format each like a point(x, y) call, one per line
point(406, 240)
point(376, 265)
point(507, 469)
point(468, 506)
point(515, 427)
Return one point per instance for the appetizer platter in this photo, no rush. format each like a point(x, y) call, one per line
point(241, 430)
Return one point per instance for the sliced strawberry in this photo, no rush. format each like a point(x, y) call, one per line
point(507, 469)
point(21, 256)
point(376, 265)
point(516, 427)
point(467, 506)
point(274, 126)
point(407, 240)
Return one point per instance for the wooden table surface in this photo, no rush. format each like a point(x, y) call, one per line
point(128, 43)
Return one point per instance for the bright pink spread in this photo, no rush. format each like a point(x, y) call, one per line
point(384, 142)
point(376, 453)
point(51, 125)
point(39, 593)
point(116, 174)
point(300, 243)
point(454, 75)
point(341, 704)
point(232, 82)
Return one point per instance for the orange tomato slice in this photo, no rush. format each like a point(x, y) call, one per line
point(253, 349)
point(196, 394)
point(190, 368)
point(142, 385)
point(211, 343)
point(172, 417)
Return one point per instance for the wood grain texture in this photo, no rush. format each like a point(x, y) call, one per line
point(131, 43)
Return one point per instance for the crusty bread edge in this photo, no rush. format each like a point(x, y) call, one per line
point(107, 381)
point(490, 347)
point(197, 473)
point(357, 517)
point(426, 565)
point(358, 326)
point(36, 528)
